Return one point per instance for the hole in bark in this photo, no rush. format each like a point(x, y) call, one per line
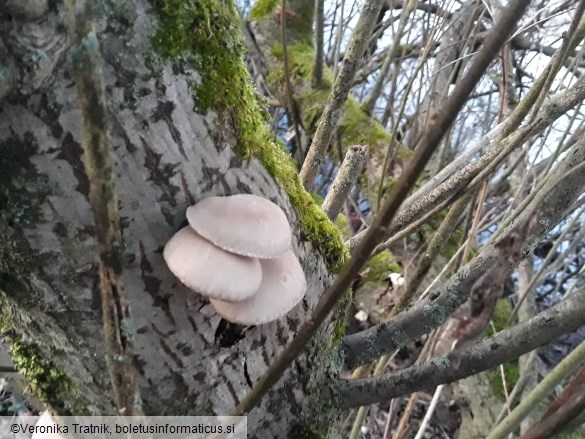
point(247, 375)
point(228, 334)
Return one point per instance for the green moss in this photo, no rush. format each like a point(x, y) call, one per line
point(355, 126)
point(317, 199)
point(500, 317)
point(342, 224)
point(205, 34)
point(511, 374)
point(339, 331)
point(263, 8)
point(45, 380)
point(502, 313)
point(315, 226)
point(358, 127)
point(341, 221)
point(380, 265)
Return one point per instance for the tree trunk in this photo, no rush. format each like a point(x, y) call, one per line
point(172, 148)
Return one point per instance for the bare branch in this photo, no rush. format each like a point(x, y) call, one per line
point(442, 188)
point(507, 345)
point(344, 180)
point(567, 184)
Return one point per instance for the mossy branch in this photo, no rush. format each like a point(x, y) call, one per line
point(99, 168)
point(220, 63)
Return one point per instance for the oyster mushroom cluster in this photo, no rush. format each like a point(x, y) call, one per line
point(236, 250)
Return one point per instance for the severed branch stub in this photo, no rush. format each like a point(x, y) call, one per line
point(348, 174)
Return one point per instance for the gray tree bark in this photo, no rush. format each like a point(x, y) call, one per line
point(167, 156)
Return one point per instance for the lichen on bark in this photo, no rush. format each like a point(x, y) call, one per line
point(22, 191)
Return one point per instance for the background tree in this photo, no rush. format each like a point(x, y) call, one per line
point(184, 122)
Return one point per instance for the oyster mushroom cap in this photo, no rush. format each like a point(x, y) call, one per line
point(244, 224)
point(283, 286)
point(209, 270)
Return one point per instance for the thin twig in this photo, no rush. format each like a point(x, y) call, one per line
point(518, 387)
point(551, 254)
point(319, 25)
point(427, 419)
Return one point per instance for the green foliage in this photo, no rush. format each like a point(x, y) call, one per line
point(205, 34)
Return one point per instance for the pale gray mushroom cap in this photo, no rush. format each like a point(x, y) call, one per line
point(244, 224)
point(283, 286)
point(209, 270)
